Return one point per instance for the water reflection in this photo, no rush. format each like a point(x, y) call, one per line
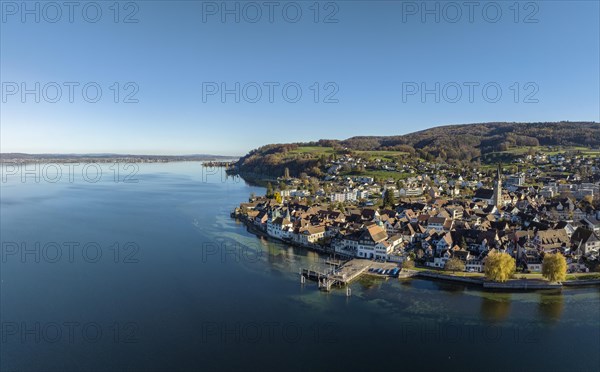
point(550, 307)
point(451, 288)
point(495, 307)
point(368, 282)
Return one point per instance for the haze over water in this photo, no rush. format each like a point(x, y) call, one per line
point(159, 277)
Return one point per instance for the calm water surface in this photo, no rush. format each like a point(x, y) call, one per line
point(154, 275)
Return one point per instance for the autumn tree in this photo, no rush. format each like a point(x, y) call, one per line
point(454, 264)
point(499, 267)
point(554, 267)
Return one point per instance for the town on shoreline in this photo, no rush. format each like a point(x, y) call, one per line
point(444, 222)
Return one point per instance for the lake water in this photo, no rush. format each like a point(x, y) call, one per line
point(155, 275)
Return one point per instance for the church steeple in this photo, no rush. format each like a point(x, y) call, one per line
point(498, 202)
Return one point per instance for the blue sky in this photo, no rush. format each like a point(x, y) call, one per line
point(367, 58)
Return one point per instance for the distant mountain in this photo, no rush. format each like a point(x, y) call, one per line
point(452, 143)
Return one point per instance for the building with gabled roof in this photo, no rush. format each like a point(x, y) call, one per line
point(585, 242)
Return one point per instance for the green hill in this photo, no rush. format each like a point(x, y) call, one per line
point(458, 144)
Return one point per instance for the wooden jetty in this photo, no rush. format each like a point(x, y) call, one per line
point(350, 271)
point(314, 274)
point(339, 276)
point(334, 262)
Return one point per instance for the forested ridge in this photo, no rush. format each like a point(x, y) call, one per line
point(452, 143)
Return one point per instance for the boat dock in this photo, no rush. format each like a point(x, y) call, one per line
point(344, 274)
point(350, 271)
point(314, 274)
point(334, 262)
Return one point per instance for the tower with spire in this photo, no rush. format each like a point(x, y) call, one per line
point(498, 188)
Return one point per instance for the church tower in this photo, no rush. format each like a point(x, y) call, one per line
point(498, 201)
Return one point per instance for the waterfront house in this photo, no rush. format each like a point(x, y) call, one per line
point(280, 228)
point(311, 234)
point(533, 263)
point(369, 238)
point(474, 265)
point(346, 243)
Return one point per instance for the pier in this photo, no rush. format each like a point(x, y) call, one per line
point(314, 274)
point(350, 271)
point(333, 262)
point(344, 274)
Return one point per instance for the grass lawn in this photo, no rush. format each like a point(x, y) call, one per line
point(367, 155)
point(575, 276)
point(378, 174)
point(444, 272)
point(553, 150)
point(416, 268)
point(583, 276)
point(315, 150)
point(382, 155)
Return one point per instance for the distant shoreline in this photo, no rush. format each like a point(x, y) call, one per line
point(18, 158)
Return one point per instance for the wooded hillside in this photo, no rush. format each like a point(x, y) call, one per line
point(453, 143)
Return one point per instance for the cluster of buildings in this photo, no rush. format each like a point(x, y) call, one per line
point(434, 220)
point(356, 233)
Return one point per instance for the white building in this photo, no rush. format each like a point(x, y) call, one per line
point(280, 228)
point(369, 243)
